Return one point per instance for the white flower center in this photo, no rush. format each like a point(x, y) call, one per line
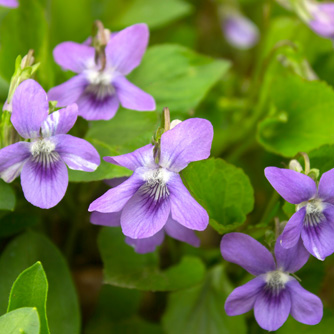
point(314, 211)
point(43, 151)
point(276, 280)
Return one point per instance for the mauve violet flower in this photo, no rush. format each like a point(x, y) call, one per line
point(314, 219)
point(42, 161)
point(98, 92)
point(154, 196)
point(9, 3)
point(273, 293)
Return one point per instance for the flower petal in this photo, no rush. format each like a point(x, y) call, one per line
point(143, 157)
point(322, 18)
point(74, 56)
point(132, 97)
point(184, 208)
point(44, 185)
point(30, 108)
point(146, 245)
point(9, 3)
point(242, 299)
point(305, 306)
point(126, 49)
point(326, 188)
point(12, 159)
point(77, 153)
point(294, 187)
point(188, 141)
point(115, 199)
point(292, 231)
point(181, 233)
point(106, 219)
point(246, 252)
point(272, 309)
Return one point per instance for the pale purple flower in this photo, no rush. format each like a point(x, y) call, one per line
point(154, 196)
point(9, 3)
point(314, 219)
point(273, 293)
point(97, 92)
point(42, 160)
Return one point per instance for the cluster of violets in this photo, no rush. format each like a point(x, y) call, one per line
point(153, 201)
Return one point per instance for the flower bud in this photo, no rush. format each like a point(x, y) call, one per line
point(295, 165)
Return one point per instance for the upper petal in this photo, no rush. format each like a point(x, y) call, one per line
point(146, 245)
point(189, 141)
point(30, 108)
point(126, 49)
point(248, 253)
point(292, 231)
point(294, 187)
point(106, 219)
point(326, 186)
point(74, 56)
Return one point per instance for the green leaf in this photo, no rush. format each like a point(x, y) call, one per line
point(7, 196)
point(222, 189)
point(62, 305)
point(30, 290)
point(21, 321)
point(322, 158)
point(200, 309)
point(125, 268)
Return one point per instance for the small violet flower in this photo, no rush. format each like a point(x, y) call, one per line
point(42, 161)
point(314, 219)
point(273, 293)
point(98, 89)
point(154, 200)
point(9, 3)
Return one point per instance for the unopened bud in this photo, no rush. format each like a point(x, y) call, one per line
point(295, 165)
point(174, 123)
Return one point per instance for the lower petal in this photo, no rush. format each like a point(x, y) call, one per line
point(106, 219)
point(44, 185)
point(146, 245)
point(293, 228)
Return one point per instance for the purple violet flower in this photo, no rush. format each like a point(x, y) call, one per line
point(154, 196)
point(314, 219)
point(99, 91)
point(9, 3)
point(273, 293)
point(42, 161)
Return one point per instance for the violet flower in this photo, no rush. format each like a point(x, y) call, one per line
point(273, 293)
point(42, 161)
point(98, 90)
point(314, 219)
point(9, 3)
point(154, 196)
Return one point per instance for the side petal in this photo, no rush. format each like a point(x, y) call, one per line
point(184, 208)
point(77, 153)
point(272, 309)
point(30, 108)
point(12, 159)
point(106, 219)
point(246, 252)
point(73, 56)
point(181, 233)
point(132, 97)
point(305, 306)
point(292, 231)
point(326, 188)
point(146, 245)
point(44, 185)
point(189, 141)
point(126, 49)
point(143, 157)
point(242, 299)
point(294, 187)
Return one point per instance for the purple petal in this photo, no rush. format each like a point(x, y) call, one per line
point(305, 306)
point(271, 309)
point(106, 219)
point(248, 253)
point(143, 157)
point(294, 187)
point(326, 187)
point(12, 159)
point(73, 56)
point(292, 231)
point(146, 245)
point(77, 153)
point(181, 233)
point(144, 215)
point(323, 18)
point(318, 238)
point(44, 185)
point(242, 299)
point(189, 141)
point(9, 3)
point(115, 199)
point(132, 97)
point(292, 259)
point(60, 121)
point(184, 208)
point(126, 49)
point(30, 108)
